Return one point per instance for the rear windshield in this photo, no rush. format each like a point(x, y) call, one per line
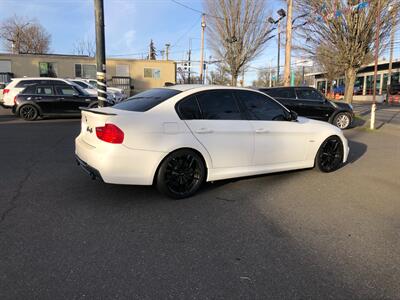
point(146, 100)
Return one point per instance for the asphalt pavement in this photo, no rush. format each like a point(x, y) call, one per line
point(293, 235)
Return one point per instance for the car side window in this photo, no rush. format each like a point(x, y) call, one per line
point(309, 94)
point(219, 105)
point(81, 84)
point(44, 90)
point(261, 107)
point(66, 90)
point(287, 93)
point(189, 109)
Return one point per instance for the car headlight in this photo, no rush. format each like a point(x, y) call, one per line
point(351, 106)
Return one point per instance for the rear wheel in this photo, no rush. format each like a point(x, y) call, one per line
point(330, 155)
point(181, 174)
point(28, 112)
point(342, 120)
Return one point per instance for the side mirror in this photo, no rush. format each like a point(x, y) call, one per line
point(293, 116)
point(2, 86)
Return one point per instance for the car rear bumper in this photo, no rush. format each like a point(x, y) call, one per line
point(92, 172)
point(118, 164)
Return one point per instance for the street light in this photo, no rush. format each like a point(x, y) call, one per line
point(282, 14)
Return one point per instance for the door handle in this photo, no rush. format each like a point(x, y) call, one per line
point(61, 99)
point(262, 130)
point(38, 98)
point(203, 130)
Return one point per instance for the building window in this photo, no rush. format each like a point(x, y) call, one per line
point(122, 70)
point(321, 85)
point(370, 84)
point(152, 73)
point(359, 86)
point(85, 71)
point(47, 69)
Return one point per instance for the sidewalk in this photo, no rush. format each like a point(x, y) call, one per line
point(386, 115)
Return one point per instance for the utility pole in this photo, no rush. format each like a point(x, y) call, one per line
point(167, 50)
point(392, 34)
point(189, 53)
point(288, 45)
point(378, 29)
point(279, 52)
point(100, 53)
point(203, 27)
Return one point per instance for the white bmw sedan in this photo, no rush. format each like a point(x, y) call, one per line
point(181, 136)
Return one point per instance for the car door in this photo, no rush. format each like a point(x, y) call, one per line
point(44, 96)
point(286, 96)
point(277, 141)
point(221, 129)
point(70, 98)
point(312, 104)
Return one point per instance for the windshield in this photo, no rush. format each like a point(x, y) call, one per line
point(146, 100)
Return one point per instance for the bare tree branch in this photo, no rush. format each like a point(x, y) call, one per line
point(22, 35)
point(339, 34)
point(237, 32)
point(85, 46)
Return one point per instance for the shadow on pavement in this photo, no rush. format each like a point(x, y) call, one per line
point(357, 150)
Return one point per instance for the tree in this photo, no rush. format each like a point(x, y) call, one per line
point(152, 51)
point(21, 35)
point(85, 46)
point(345, 33)
point(238, 31)
point(219, 76)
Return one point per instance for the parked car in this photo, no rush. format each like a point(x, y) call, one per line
point(118, 94)
point(19, 84)
point(92, 90)
point(309, 102)
point(181, 136)
point(51, 98)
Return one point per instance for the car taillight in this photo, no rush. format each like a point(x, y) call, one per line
point(5, 91)
point(110, 133)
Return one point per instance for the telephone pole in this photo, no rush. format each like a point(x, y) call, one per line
point(288, 46)
point(167, 50)
point(392, 34)
point(100, 53)
point(189, 53)
point(203, 27)
point(378, 29)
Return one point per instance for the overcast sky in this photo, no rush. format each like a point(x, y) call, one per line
point(130, 24)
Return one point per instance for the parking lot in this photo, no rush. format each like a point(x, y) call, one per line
point(291, 235)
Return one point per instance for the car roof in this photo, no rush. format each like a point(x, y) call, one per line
point(201, 87)
point(284, 87)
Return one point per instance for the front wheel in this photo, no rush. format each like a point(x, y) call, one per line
point(330, 155)
point(342, 120)
point(28, 112)
point(181, 174)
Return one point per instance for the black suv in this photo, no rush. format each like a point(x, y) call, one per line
point(51, 99)
point(309, 102)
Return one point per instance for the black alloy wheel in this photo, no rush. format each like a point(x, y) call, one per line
point(330, 155)
point(28, 112)
point(181, 174)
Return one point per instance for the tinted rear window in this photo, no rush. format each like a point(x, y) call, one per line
point(146, 100)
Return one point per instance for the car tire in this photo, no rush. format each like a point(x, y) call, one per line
point(329, 157)
point(342, 120)
point(181, 174)
point(28, 112)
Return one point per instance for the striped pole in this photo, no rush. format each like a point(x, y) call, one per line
point(101, 88)
point(100, 53)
